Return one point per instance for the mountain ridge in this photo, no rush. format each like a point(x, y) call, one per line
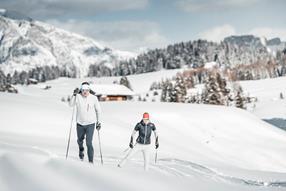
point(44, 52)
point(26, 44)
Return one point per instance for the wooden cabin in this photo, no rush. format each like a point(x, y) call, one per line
point(112, 92)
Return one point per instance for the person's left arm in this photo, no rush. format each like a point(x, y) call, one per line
point(156, 136)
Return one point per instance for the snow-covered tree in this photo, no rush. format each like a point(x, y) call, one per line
point(154, 86)
point(164, 91)
point(239, 101)
point(3, 81)
point(15, 78)
point(23, 77)
point(171, 93)
point(215, 90)
point(125, 82)
point(211, 94)
point(180, 89)
point(168, 92)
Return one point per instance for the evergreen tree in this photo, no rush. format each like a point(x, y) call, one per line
point(223, 90)
point(154, 86)
point(212, 91)
point(164, 91)
point(239, 101)
point(3, 79)
point(15, 78)
point(8, 79)
point(23, 77)
point(171, 93)
point(190, 82)
point(180, 89)
point(168, 92)
point(125, 82)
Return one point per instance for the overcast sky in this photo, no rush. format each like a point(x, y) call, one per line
point(135, 25)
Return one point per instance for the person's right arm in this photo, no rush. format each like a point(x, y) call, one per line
point(73, 98)
point(72, 101)
point(132, 136)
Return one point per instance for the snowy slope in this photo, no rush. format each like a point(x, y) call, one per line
point(267, 91)
point(140, 83)
point(201, 147)
point(26, 43)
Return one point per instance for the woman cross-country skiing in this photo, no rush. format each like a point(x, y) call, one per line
point(143, 141)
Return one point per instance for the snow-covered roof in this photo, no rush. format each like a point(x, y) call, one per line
point(33, 80)
point(210, 65)
point(111, 89)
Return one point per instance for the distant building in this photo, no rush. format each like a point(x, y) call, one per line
point(112, 92)
point(32, 81)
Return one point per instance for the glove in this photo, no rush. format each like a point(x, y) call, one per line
point(157, 143)
point(76, 91)
point(98, 126)
point(131, 143)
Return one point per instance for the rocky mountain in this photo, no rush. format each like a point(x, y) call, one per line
point(29, 45)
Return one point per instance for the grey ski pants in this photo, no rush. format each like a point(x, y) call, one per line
point(82, 131)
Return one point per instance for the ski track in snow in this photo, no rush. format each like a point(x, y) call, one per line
point(170, 166)
point(182, 168)
point(188, 168)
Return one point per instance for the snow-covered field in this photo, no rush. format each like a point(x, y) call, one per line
point(201, 147)
point(268, 91)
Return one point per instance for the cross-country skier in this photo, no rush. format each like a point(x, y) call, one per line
point(143, 141)
point(87, 117)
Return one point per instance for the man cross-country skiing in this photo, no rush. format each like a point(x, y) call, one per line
point(87, 116)
point(143, 141)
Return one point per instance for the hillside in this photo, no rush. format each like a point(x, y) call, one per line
point(201, 146)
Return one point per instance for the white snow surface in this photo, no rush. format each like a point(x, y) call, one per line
point(202, 147)
point(140, 83)
point(267, 91)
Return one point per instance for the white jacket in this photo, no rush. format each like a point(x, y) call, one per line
point(88, 109)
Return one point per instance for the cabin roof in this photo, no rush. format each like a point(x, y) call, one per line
point(111, 90)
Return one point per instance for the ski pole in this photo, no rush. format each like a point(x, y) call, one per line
point(68, 146)
point(156, 156)
point(127, 149)
point(100, 147)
